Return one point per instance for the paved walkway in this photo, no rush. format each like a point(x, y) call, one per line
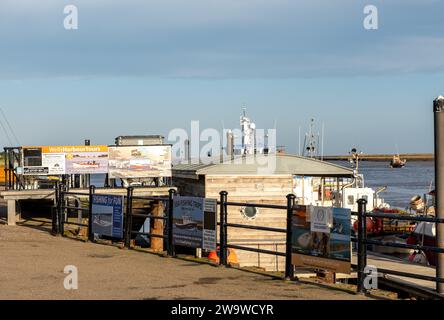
point(32, 263)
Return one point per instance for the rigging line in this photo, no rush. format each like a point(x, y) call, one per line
point(6, 132)
point(9, 126)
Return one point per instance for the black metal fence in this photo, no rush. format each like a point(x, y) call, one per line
point(363, 241)
point(63, 209)
point(224, 225)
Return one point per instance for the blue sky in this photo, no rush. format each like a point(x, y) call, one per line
point(146, 67)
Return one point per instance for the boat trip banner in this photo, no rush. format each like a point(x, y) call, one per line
point(140, 161)
point(194, 222)
point(322, 238)
point(107, 215)
point(57, 160)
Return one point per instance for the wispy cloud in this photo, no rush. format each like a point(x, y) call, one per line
point(219, 39)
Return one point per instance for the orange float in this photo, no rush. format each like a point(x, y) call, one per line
point(232, 257)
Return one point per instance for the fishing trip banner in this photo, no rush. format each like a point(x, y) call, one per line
point(194, 222)
point(107, 215)
point(140, 161)
point(57, 160)
point(322, 238)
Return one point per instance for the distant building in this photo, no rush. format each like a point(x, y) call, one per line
point(142, 140)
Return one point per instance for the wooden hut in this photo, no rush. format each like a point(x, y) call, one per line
point(264, 179)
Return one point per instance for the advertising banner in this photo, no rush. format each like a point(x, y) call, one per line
point(322, 238)
point(140, 161)
point(57, 160)
point(194, 222)
point(107, 215)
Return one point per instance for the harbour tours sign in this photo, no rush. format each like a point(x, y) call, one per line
point(322, 238)
point(140, 161)
point(194, 222)
point(107, 215)
point(57, 160)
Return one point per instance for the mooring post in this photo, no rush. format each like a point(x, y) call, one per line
point(438, 110)
point(223, 229)
point(92, 190)
point(362, 246)
point(289, 270)
point(171, 194)
point(129, 212)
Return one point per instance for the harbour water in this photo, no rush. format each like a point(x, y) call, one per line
point(402, 184)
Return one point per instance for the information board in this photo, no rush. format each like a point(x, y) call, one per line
point(140, 161)
point(107, 215)
point(194, 222)
point(58, 160)
point(322, 238)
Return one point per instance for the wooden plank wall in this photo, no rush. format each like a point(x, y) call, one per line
point(271, 189)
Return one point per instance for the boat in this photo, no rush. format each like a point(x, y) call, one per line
point(187, 223)
point(397, 162)
point(87, 164)
point(394, 238)
point(425, 234)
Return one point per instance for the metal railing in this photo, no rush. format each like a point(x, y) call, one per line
point(363, 241)
point(63, 207)
point(224, 225)
point(168, 217)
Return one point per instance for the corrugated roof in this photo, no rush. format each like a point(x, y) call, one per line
point(266, 164)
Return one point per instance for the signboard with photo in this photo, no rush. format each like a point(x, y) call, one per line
point(58, 160)
point(322, 238)
point(140, 161)
point(107, 215)
point(194, 222)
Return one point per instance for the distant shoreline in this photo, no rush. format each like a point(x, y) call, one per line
point(384, 157)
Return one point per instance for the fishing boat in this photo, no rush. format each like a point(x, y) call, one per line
point(86, 164)
point(397, 162)
point(187, 223)
point(425, 234)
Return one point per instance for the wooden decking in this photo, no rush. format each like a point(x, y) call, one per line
point(393, 263)
point(12, 196)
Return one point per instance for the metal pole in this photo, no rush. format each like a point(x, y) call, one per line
point(55, 212)
point(223, 229)
point(438, 109)
point(289, 270)
point(171, 194)
point(129, 211)
point(92, 190)
point(362, 246)
point(6, 168)
point(61, 210)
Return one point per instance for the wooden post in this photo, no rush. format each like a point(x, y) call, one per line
point(11, 212)
point(157, 227)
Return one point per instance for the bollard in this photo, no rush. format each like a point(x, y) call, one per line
point(438, 110)
point(289, 270)
point(92, 190)
point(362, 246)
point(171, 194)
point(129, 211)
point(223, 229)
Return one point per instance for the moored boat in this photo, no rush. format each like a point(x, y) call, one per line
point(397, 162)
